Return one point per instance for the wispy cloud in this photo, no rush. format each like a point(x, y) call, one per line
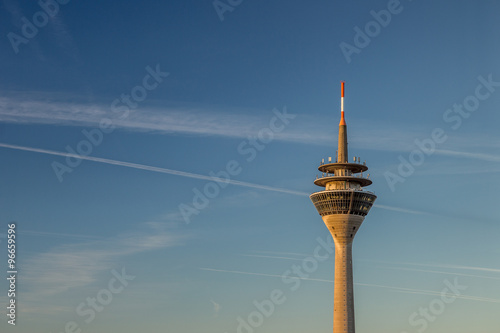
point(475, 156)
point(181, 120)
point(216, 307)
point(58, 235)
point(39, 108)
point(60, 110)
point(75, 265)
point(70, 267)
point(35, 108)
point(450, 167)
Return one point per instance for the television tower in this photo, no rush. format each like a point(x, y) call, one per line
point(343, 205)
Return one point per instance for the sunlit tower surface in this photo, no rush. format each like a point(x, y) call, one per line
point(343, 205)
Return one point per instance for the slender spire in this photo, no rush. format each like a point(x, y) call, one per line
point(342, 151)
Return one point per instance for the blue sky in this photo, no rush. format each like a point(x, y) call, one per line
point(161, 96)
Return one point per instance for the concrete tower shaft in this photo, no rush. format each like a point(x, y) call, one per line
point(343, 205)
point(343, 227)
point(343, 301)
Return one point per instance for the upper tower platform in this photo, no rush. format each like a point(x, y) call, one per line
point(344, 178)
point(341, 174)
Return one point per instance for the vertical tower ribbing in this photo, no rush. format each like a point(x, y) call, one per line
point(343, 206)
point(343, 302)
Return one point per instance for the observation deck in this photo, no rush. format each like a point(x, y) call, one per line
point(355, 202)
point(343, 173)
point(344, 193)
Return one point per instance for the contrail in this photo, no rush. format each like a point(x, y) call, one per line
point(154, 169)
point(261, 274)
point(442, 272)
point(430, 292)
point(392, 288)
point(287, 253)
point(473, 268)
point(402, 210)
point(272, 257)
point(183, 174)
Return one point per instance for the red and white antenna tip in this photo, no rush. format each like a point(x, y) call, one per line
point(342, 120)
